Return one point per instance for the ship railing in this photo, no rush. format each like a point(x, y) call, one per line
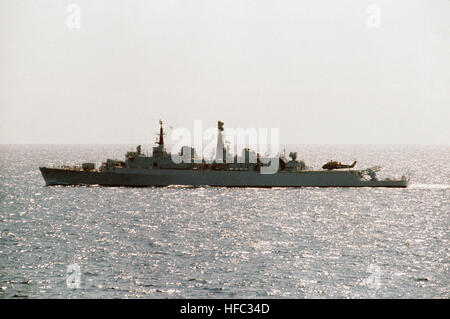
point(73, 168)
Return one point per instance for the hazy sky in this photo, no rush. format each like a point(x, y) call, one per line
point(322, 71)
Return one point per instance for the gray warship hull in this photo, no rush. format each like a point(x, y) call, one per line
point(166, 177)
point(185, 168)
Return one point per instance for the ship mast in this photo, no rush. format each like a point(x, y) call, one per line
point(220, 149)
point(159, 150)
point(161, 134)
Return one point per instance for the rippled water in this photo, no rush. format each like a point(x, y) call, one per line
point(220, 243)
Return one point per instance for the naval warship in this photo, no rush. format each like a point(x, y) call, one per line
point(250, 170)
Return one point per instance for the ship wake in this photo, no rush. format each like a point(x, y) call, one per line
point(429, 186)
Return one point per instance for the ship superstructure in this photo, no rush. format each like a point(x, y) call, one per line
point(249, 170)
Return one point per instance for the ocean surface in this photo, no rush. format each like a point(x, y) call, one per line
point(181, 242)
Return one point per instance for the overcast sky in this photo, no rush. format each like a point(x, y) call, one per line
point(322, 71)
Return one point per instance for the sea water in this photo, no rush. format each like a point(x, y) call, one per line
point(205, 242)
